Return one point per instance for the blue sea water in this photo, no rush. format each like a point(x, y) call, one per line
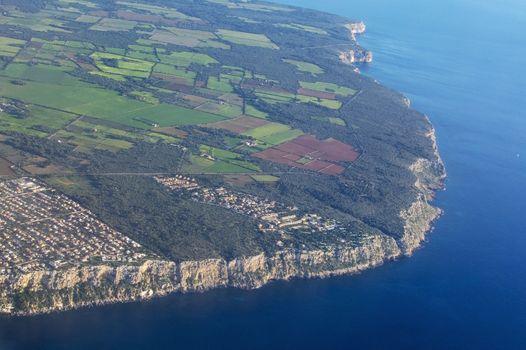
point(462, 62)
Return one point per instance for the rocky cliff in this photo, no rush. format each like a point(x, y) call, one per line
point(46, 291)
point(356, 54)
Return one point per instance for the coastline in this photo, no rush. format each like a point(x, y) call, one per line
point(52, 291)
point(60, 290)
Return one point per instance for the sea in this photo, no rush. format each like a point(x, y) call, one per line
point(462, 63)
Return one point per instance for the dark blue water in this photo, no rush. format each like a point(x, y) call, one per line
point(463, 63)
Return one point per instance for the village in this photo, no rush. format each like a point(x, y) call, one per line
point(42, 229)
point(273, 216)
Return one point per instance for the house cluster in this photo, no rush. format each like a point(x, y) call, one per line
point(178, 182)
point(42, 229)
point(272, 216)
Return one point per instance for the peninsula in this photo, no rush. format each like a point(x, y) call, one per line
point(152, 147)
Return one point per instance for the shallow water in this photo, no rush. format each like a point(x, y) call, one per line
point(462, 62)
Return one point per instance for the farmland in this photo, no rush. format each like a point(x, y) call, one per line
point(305, 66)
point(249, 39)
point(97, 97)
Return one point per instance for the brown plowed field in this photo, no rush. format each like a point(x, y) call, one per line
point(321, 153)
point(5, 167)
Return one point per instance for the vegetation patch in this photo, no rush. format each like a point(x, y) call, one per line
point(9, 46)
point(113, 24)
point(305, 66)
point(328, 87)
point(302, 27)
point(248, 39)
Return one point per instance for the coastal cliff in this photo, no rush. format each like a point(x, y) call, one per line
point(356, 54)
point(48, 291)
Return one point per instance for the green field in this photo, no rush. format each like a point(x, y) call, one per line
point(187, 37)
point(224, 162)
point(305, 66)
point(187, 75)
point(113, 24)
point(86, 99)
point(275, 97)
point(39, 120)
point(87, 19)
point(251, 6)
point(302, 27)
point(248, 39)
point(273, 133)
point(254, 112)
point(39, 22)
point(122, 65)
point(265, 178)
point(223, 109)
point(328, 87)
point(158, 10)
point(331, 104)
point(185, 59)
point(9, 46)
point(215, 83)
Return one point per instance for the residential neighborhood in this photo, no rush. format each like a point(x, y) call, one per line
point(43, 229)
point(273, 216)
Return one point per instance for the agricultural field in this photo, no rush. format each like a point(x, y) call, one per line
point(113, 24)
point(273, 133)
point(305, 67)
point(166, 12)
point(9, 47)
point(216, 160)
point(250, 6)
point(86, 99)
point(327, 103)
point(187, 37)
point(122, 65)
point(248, 39)
point(302, 27)
point(185, 59)
point(328, 87)
point(307, 152)
point(331, 120)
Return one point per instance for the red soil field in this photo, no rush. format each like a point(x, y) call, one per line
point(5, 167)
point(307, 152)
point(318, 94)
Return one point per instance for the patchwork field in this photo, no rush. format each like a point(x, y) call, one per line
point(239, 125)
point(187, 37)
point(307, 152)
point(305, 66)
point(248, 39)
point(328, 87)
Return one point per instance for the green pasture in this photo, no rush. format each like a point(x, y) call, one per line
point(328, 87)
point(302, 27)
point(9, 46)
point(305, 66)
point(113, 25)
point(248, 39)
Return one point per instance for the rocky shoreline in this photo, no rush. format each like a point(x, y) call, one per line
point(50, 291)
point(357, 54)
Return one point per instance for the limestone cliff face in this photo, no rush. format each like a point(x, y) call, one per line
point(47, 291)
point(418, 218)
point(356, 54)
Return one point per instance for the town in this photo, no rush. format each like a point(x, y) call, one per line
point(42, 229)
point(273, 216)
